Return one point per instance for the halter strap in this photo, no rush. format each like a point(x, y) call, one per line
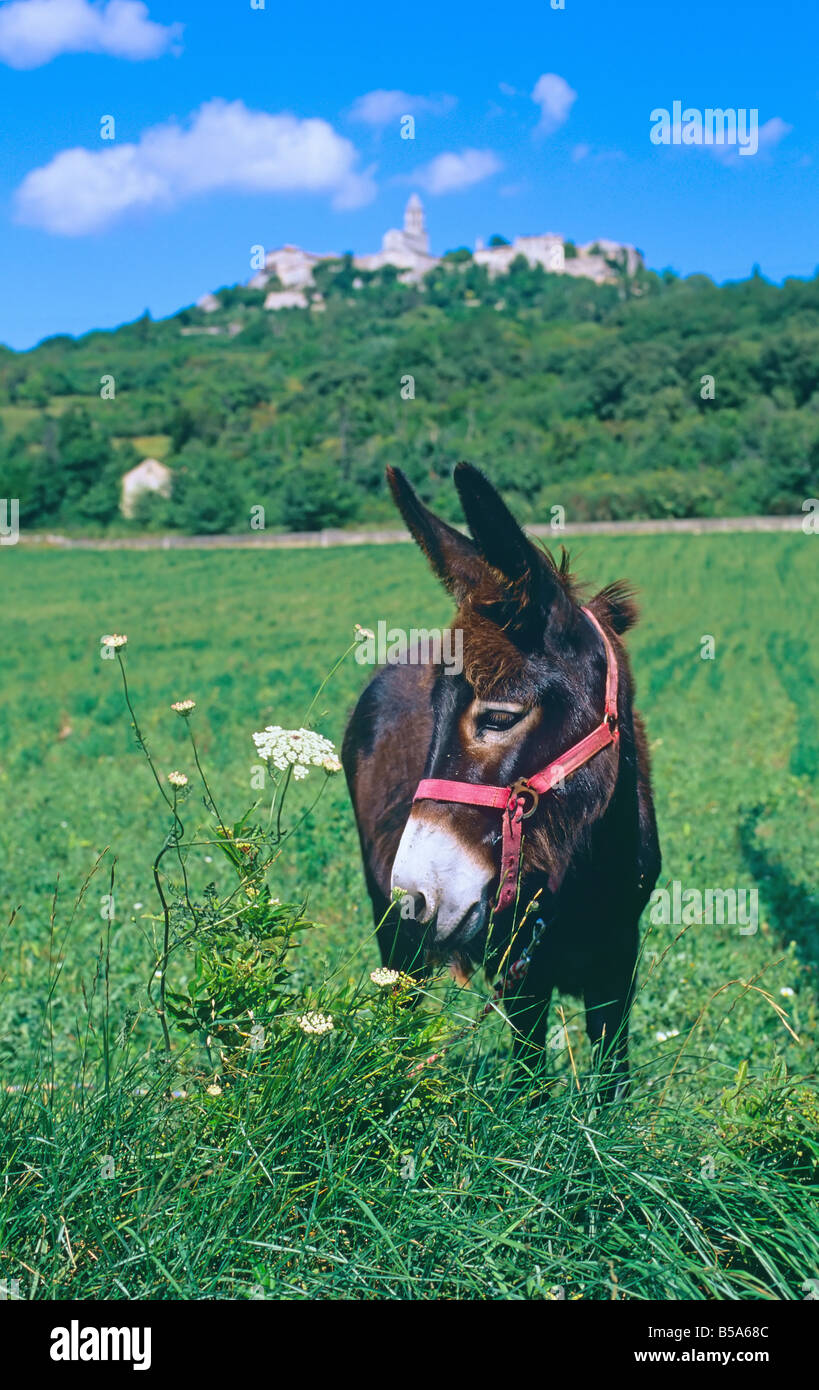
point(510, 801)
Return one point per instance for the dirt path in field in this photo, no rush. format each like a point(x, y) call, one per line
point(300, 540)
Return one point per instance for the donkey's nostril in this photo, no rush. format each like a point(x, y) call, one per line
point(419, 907)
point(413, 905)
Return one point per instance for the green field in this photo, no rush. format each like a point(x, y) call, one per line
point(290, 1180)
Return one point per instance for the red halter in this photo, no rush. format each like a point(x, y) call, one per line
point(510, 800)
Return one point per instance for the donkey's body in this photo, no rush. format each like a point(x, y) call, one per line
point(532, 685)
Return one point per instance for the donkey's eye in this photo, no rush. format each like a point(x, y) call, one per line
point(500, 719)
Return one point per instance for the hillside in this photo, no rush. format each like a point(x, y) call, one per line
point(591, 397)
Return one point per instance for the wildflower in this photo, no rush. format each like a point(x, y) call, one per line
point(183, 707)
point(177, 779)
point(661, 1037)
point(384, 977)
point(364, 631)
point(787, 992)
point(316, 1023)
point(214, 1090)
point(299, 749)
point(116, 639)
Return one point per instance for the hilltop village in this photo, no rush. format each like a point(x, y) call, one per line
point(408, 249)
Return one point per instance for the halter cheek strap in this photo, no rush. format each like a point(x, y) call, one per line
point(511, 801)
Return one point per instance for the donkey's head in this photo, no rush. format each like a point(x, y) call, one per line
point(532, 685)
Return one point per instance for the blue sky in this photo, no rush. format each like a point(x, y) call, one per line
point(236, 127)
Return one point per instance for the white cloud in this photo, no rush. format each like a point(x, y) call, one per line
point(772, 131)
point(768, 136)
point(380, 107)
point(222, 146)
point(449, 172)
point(596, 156)
point(555, 98)
point(32, 32)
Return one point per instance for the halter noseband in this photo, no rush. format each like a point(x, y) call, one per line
point(510, 800)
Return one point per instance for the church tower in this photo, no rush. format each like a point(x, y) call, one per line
point(415, 230)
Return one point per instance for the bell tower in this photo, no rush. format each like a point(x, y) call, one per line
point(415, 230)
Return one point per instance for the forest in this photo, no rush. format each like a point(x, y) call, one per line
point(651, 396)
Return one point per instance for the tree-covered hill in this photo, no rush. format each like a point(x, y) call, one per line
point(598, 399)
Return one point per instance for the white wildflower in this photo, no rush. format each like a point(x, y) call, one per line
point(787, 992)
point(316, 1023)
point(300, 749)
point(114, 639)
point(183, 707)
point(177, 779)
point(384, 977)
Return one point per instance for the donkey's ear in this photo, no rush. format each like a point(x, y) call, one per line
point(505, 546)
point(452, 556)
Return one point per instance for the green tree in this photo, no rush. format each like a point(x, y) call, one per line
point(314, 496)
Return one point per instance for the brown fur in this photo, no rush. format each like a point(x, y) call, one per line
point(590, 850)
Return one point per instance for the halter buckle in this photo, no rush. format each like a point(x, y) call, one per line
point(520, 789)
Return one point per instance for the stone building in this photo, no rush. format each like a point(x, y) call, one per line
point(293, 267)
point(407, 247)
point(286, 299)
point(148, 476)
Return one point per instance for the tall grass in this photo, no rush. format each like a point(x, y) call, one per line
point(323, 1170)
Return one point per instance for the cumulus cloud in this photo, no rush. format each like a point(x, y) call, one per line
point(555, 98)
point(772, 131)
point(768, 136)
point(223, 145)
point(380, 107)
point(449, 172)
point(32, 32)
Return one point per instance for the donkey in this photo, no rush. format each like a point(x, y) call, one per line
point(443, 767)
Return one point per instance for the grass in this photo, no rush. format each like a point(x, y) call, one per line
point(323, 1168)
